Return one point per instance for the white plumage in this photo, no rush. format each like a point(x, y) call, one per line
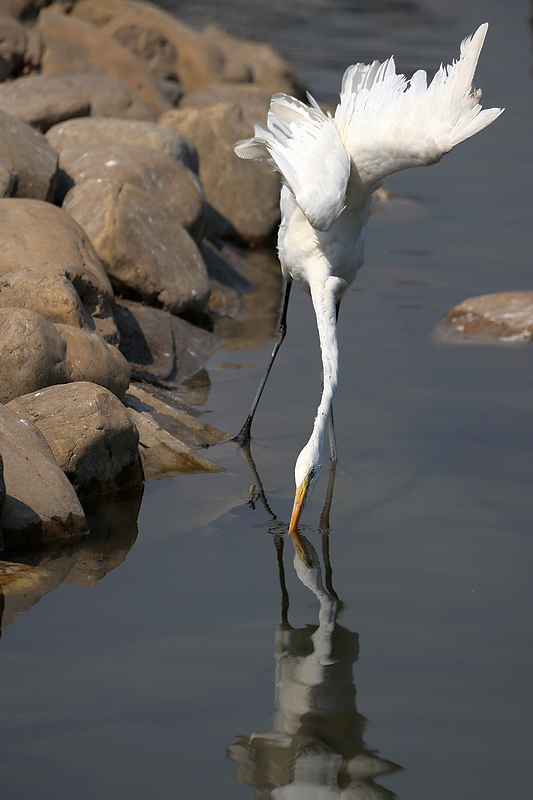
point(330, 165)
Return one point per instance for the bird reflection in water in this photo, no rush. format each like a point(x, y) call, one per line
point(315, 750)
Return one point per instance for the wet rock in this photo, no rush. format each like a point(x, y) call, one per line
point(89, 432)
point(168, 47)
point(43, 101)
point(89, 358)
point(161, 348)
point(163, 455)
point(184, 426)
point(41, 505)
point(32, 353)
point(30, 231)
point(246, 193)
point(258, 63)
point(154, 172)
point(90, 131)
point(30, 162)
point(146, 251)
point(71, 46)
point(12, 46)
point(503, 316)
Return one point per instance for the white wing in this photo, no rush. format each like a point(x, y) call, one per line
point(304, 145)
point(388, 123)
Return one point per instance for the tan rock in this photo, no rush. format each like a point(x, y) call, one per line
point(41, 505)
point(154, 172)
point(28, 157)
point(162, 349)
point(246, 193)
point(73, 46)
point(89, 432)
point(258, 63)
point(253, 101)
point(12, 45)
point(146, 251)
point(43, 101)
point(89, 358)
point(503, 316)
point(42, 238)
point(32, 353)
point(167, 46)
point(90, 131)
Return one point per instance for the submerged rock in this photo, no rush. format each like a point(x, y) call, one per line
point(503, 316)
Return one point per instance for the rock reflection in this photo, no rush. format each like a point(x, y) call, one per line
point(316, 749)
point(25, 576)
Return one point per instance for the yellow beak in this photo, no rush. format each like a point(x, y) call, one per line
point(299, 502)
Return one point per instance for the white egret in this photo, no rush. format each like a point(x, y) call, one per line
point(329, 166)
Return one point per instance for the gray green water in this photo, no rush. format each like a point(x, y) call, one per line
point(136, 688)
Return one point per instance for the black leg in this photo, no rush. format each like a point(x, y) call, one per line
point(244, 434)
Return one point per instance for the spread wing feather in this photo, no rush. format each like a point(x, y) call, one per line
point(388, 123)
point(304, 145)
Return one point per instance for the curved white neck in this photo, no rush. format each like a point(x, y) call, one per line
point(324, 297)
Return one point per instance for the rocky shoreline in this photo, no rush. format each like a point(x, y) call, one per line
point(123, 212)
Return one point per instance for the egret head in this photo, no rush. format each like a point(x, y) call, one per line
point(306, 474)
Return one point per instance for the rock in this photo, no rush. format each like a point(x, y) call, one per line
point(12, 46)
point(8, 178)
point(163, 455)
point(258, 63)
point(71, 46)
point(41, 505)
point(146, 251)
point(168, 47)
point(28, 157)
point(90, 131)
point(156, 173)
point(30, 231)
point(161, 348)
point(51, 295)
point(184, 426)
point(253, 101)
point(22, 9)
point(89, 432)
point(42, 101)
point(246, 193)
point(32, 353)
point(503, 316)
point(89, 358)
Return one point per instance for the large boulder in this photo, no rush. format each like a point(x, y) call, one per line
point(71, 46)
point(156, 173)
point(32, 353)
point(162, 349)
point(43, 101)
point(90, 131)
point(257, 63)
point(12, 46)
point(245, 192)
point(29, 157)
point(168, 47)
point(89, 432)
point(44, 240)
point(147, 253)
point(89, 358)
point(41, 505)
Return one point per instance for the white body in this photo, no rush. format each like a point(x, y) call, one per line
point(331, 165)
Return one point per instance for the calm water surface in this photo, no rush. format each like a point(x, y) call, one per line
point(404, 665)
